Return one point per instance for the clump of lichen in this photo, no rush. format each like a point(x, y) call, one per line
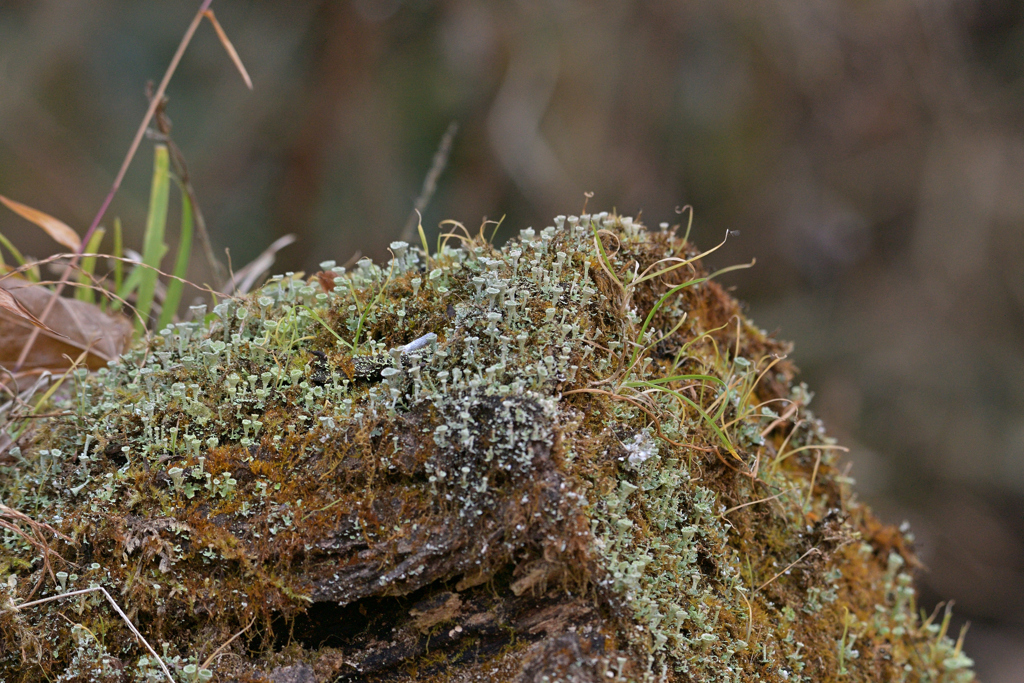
point(572, 458)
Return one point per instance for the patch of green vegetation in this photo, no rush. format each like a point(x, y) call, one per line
point(583, 412)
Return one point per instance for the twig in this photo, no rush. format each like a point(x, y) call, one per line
point(792, 564)
point(181, 169)
point(750, 617)
point(654, 418)
point(793, 407)
point(755, 502)
point(117, 609)
point(229, 48)
point(437, 166)
point(35, 539)
point(40, 544)
point(54, 257)
point(242, 281)
point(814, 475)
point(154, 103)
point(22, 517)
point(216, 652)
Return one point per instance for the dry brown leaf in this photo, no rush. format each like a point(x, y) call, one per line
point(12, 305)
point(245, 278)
point(229, 47)
point(73, 326)
point(58, 230)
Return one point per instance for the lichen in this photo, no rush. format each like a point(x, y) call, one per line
point(571, 458)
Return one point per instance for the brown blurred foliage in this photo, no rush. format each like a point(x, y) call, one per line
point(74, 331)
point(870, 152)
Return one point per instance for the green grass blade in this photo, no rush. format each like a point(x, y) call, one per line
point(703, 414)
point(423, 238)
point(130, 284)
point(153, 246)
point(175, 287)
point(316, 317)
point(603, 256)
point(681, 264)
point(369, 307)
point(32, 273)
point(677, 288)
point(119, 254)
point(497, 226)
point(679, 378)
point(89, 268)
point(650, 316)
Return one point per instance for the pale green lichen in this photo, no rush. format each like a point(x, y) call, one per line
point(580, 417)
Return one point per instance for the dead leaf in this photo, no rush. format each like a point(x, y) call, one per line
point(229, 47)
point(58, 230)
point(72, 327)
point(245, 278)
point(12, 305)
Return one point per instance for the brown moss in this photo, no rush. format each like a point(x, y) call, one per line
point(539, 493)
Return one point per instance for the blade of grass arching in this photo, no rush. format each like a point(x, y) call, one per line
point(682, 378)
point(497, 225)
point(153, 246)
point(606, 264)
point(679, 264)
point(56, 385)
point(689, 223)
point(316, 317)
point(700, 411)
point(175, 287)
point(118, 255)
point(89, 268)
point(31, 273)
point(686, 346)
point(654, 309)
point(677, 288)
point(423, 238)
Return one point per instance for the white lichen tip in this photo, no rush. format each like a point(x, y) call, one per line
point(417, 344)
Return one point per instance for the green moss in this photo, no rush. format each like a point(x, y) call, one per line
point(535, 428)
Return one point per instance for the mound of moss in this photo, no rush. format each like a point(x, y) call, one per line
point(570, 459)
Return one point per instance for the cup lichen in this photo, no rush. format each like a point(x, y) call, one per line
point(572, 458)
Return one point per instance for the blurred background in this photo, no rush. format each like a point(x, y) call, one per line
point(870, 152)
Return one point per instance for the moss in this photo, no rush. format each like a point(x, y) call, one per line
point(529, 463)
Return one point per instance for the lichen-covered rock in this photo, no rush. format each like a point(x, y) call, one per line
point(571, 459)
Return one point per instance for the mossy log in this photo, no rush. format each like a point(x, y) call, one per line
point(569, 459)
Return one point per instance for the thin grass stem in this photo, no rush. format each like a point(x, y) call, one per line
point(88, 268)
point(154, 103)
point(117, 609)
